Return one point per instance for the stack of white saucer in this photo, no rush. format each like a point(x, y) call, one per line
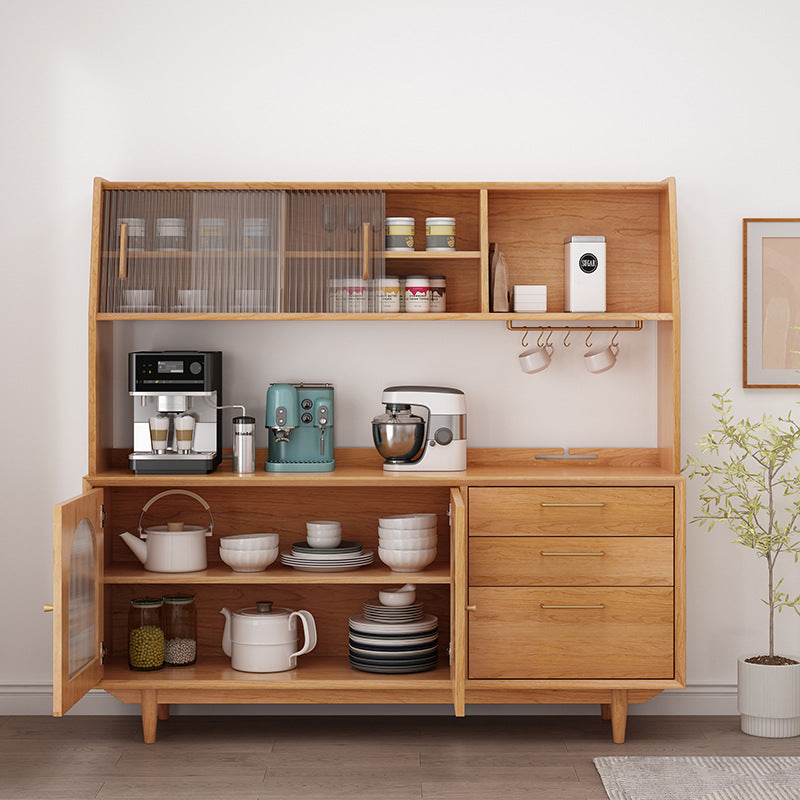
point(407, 542)
point(530, 297)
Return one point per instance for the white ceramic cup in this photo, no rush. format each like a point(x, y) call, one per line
point(601, 359)
point(535, 359)
point(323, 533)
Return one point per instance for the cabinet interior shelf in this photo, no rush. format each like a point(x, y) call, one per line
point(437, 573)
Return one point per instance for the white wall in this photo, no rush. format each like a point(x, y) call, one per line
point(568, 90)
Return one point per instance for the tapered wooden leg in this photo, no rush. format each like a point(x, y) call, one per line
point(605, 710)
point(149, 715)
point(163, 710)
point(619, 714)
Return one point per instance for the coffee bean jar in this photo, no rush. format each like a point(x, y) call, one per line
point(180, 630)
point(145, 634)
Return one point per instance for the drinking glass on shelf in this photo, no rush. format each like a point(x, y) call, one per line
point(351, 220)
point(329, 221)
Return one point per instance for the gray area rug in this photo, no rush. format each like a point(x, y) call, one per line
point(700, 778)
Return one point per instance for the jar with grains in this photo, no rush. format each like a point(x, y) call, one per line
point(180, 630)
point(145, 634)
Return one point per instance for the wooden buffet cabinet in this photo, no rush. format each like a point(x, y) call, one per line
point(558, 581)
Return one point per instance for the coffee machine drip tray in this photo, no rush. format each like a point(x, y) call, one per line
point(184, 464)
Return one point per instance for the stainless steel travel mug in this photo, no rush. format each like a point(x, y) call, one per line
point(244, 445)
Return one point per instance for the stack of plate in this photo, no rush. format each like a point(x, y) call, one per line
point(394, 647)
point(347, 556)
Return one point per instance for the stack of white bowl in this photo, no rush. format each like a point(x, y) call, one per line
point(407, 542)
point(249, 552)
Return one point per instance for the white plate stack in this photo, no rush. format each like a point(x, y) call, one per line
point(530, 297)
point(344, 557)
point(407, 542)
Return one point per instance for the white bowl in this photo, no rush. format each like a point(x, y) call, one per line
point(248, 560)
point(406, 560)
point(332, 539)
point(398, 533)
point(250, 541)
point(402, 596)
point(394, 543)
point(323, 526)
point(408, 522)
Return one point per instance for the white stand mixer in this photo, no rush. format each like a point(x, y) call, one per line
point(424, 429)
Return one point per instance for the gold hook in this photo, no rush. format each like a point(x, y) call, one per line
point(614, 339)
point(539, 339)
point(566, 336)
point(524, 338)
point(549, 336)
point(588, 337)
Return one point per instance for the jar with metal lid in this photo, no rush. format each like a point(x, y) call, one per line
point(417, 294)
point(180, 630)
point(256, 233)
point(212, 233)
point(438, 294)
point(145, 634)
point(135, 233)
point(354, 295)
point(170, 234)
point(336, 294)
point(386, 294)
point(399, 234)
point(440, 234)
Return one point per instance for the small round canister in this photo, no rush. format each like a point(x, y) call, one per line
point(417, 294)
point(180, 630)
point(170, 234)
point(135, 240)
point(145, 634)
point(354, 295)
point(440, 233)
point(438, 294)
point(386, 294)
point(212, 234)
point(399, 234)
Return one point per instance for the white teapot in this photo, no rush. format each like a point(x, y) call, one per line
point(264, 639)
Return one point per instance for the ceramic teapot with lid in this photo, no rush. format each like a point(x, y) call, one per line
point(263, 638)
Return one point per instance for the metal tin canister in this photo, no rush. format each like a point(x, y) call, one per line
point(417, 293)
point(399, 233)
point(438, 294)
point(386, 294)
point(213, 233)
point(170, 234)
point(440, 233)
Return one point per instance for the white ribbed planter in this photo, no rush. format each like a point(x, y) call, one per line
point(769, 698)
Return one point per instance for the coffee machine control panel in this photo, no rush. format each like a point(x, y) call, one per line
point(173, 372)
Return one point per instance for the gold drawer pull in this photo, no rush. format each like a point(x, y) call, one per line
point(472, 608)
point(599, 553)
point(572, 505)
point(542, 605)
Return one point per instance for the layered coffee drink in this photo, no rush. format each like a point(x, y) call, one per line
point(159, 433)
point(184, 433)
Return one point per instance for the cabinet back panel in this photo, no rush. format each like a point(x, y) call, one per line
point(464, 206)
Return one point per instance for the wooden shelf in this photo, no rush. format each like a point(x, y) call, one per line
point(314, 673)
point(437, 573)
point(411, 255)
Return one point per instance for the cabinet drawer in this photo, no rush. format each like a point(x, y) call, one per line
point(570, 561)
point(571, 633)
point(571, 511)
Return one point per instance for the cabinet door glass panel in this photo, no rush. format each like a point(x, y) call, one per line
point(81, 602)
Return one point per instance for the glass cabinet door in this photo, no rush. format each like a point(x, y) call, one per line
point(77, 599)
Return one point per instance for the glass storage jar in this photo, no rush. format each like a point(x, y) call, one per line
point(145, 634)
point(170, 234)
point(180, 630)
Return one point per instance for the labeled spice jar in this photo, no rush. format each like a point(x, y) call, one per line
point(386, 294)
point(440, 233)
point(170, 234)
point(145, 634)
point(135, 232)
point(354, 291)
point(336, 294)
point(256, 233)
point(438, 294)
point(212, 234)
point(180, 630)
point(399, 233)
point(417, 294)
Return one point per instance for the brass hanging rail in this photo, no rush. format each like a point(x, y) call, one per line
point(636, 326)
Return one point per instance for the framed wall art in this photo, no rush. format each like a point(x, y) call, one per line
point(771, 303)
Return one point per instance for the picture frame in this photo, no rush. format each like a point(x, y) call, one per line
point(771, 329)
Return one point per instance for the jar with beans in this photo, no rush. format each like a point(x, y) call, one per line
point(180, 630)
point(145, 634)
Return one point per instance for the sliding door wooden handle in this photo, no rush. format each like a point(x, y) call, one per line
point(366, 250)
point(572, 505)
point(123, 250)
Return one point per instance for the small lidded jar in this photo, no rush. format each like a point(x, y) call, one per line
point(170, 234)
point(438, 294)
point(145, 634)
point(212, 234)
point(180, 630)
point(417, 294)
point(386, 294)
point(255, 233)
point(399, 234)
point(354, 296)
point(440, 234)
point(135, 233)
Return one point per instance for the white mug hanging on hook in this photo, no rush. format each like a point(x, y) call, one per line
point(601, 359)
point(538, 357)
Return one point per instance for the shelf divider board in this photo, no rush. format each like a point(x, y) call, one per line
point(483, 239)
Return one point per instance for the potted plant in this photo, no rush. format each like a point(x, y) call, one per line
point(750, 483)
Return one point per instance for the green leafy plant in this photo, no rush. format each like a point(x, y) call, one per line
point(751, 484)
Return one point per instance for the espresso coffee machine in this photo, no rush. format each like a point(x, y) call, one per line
point(300, 423)
point(424, 429)
point(176, 420)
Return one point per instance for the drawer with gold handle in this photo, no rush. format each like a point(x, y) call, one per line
point(571, 511)
point(570, 561)
point(597, 633)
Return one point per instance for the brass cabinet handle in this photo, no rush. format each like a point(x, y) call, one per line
point(599, 553)
point(47, 607)
point(123, 250)
point(572, 505)
point(542, 605)
point(471, 608)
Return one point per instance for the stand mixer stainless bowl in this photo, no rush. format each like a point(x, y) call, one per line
point(398, 434)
